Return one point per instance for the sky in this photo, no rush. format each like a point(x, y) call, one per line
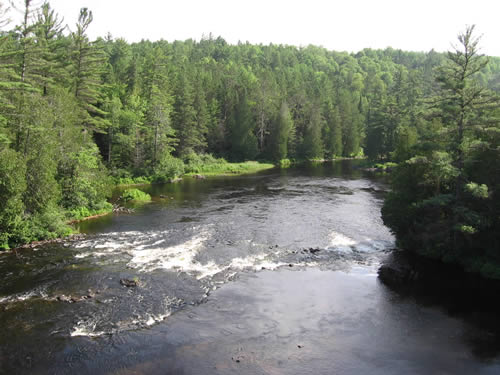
point(342, 25)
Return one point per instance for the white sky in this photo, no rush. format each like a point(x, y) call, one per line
point(342, 25)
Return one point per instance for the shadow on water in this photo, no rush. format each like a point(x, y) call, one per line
point(463, 296)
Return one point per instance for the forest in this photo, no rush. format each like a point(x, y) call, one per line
point(78, 116)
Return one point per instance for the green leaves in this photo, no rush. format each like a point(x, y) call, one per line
point(476, 190)
point(444, 200)
point(12, 188)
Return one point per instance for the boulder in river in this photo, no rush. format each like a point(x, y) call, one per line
point(68, 299)
point(312, 250)
point(397, 272)
point(122, 210)
point(129, 282)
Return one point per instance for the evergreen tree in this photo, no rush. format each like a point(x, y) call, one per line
point(436, 208)
point(48, 36)
point(12, 188)
point(351, 124)
point(186, 118)
point(243, 140)
point(87, 61)
point(333, 131)
point(313, 144)
point(281, 133)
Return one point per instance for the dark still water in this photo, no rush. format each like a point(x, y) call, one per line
point(273, 273)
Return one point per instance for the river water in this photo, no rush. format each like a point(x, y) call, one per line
point(273, 273)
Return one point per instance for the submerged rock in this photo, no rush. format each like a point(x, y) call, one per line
point(122, 210)
point(72, 298)
point(64, 298)
point(397, 272)
point(311, 250)
point(68, 299)
point(129, 283)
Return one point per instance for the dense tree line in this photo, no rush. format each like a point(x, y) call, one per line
point(76, 113)
point(444, 202)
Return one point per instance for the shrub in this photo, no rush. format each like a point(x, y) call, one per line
point(12, 188)
point(202, 163)
point(84, 180)
point(79, 213)
point(168, 169)
point(135, 195)
point(285, 163)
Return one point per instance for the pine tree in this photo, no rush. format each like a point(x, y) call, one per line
point(351, 124)
point(281, 133)
point(87, 61)
point(463, 104)
point(243, 140)
point(159, 131)
point(312, 145)
point(12, 188)
point(333, 131)
point(48, 36)
point(186, 119)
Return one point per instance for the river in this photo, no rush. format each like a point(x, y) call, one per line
point(273, 273)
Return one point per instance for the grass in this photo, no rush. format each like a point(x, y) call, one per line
point(82, 213)
point(127, 181)
point(135, 195)
point(230, 169)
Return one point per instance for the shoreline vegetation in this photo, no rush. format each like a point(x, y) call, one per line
point(80, 116)
point(220, 169)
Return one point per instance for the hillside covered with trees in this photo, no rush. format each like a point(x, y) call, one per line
point(78, 116)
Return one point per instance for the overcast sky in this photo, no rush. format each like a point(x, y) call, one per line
point(344, 25)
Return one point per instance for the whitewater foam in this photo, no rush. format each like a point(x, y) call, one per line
point(181, 258)
point(86, 328)
point(341, 243)
point(23, 296)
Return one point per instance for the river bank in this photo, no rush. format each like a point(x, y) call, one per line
point(405, 271)
point(265, 273)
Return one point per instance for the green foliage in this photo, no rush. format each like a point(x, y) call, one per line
point(49, 224)
point(158, 109)
point(42, 190)
point(222, 167)
point(12, 188)
point(477, 191)
point(80, 213)
point(285, 163)
point(312, 145)
point(135, 195)
point(443, 203)
point(243, 140)
point(200, 163)
point(168, 169)
point(84, 180)
point(141, 180)
point(281, 133)
point(385, 166)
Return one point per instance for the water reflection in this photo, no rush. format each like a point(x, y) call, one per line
point(234, 273)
